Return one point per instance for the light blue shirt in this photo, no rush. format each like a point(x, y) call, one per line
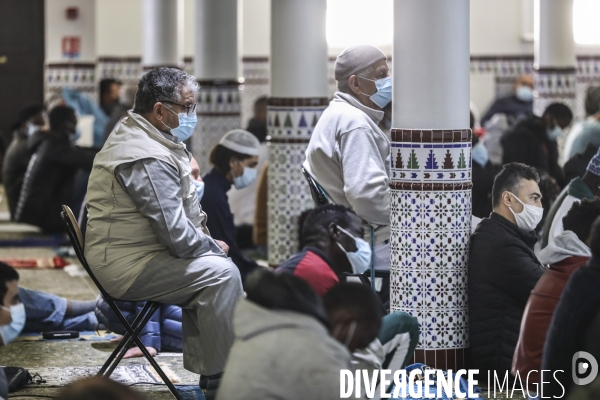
point(583, 133)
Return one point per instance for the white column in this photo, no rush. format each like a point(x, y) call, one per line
point(218, 30)
point(217, 68)
point(554, 46)
point(554, 54)
point(431, 174)
point(298, 98)
point(162, 33)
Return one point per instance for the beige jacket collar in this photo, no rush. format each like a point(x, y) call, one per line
point(153, 132)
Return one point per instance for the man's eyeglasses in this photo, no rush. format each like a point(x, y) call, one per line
point(190, 110)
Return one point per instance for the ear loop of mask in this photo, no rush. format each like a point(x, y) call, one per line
point(7, 309)
point(162, 121)
point(364, 94)
point(350, 334)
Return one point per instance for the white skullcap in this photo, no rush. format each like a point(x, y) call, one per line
point(356, 58)
point(241, 141)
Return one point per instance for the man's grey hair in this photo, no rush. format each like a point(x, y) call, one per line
point(162, 84)
point(344, 87)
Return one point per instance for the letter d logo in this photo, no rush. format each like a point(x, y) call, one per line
point(585, 368)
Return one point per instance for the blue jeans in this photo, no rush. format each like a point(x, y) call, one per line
point(46, 312)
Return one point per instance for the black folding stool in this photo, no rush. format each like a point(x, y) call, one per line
point(134, 329)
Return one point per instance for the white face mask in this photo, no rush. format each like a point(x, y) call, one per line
point(530, 217)
point(11, 331)
point(360, 260)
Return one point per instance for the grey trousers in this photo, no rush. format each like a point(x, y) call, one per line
point(207, 289)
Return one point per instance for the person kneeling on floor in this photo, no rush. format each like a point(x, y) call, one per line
point(287, 346)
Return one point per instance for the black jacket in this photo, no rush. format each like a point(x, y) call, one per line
point(215, 204)
point(48, 183)
point(503, 270)
point(514, 108)
point(528, 143)
point(483, 182)
point(14, 167)
point(574, 328)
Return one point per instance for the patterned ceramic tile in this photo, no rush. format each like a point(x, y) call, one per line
point(289, 196)
point(292, 122)
point(427, 162)
point(429, 241)
point(431, 210)
point(554, 87)
point(209, 130)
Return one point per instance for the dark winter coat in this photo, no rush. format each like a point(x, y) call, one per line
point(48, 182)
point(15, 163)
point(574, 327)
point(528, 143)
point(163, 331)
point(503, 270)
point(514, 108)
point(483, 181)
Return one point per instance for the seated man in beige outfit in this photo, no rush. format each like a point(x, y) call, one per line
point(146, 234)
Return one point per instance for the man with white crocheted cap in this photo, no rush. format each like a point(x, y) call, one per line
point(348, 154)
point(234, 161)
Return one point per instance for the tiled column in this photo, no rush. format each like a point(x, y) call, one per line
point(298, 98)
point(554, 54)
point(216, 66)
point(588, 74)
point(163, 33)
point(431, 175)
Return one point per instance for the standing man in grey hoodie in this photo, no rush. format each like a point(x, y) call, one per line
point(348, 154)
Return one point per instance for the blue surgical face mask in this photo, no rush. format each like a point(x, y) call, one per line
point(74, 137)
point(187, 123)
point(480, 154)
point(11, 331)
point(554, 133)
point(360, 260)
point(524, 93)
point(199, 189)
point(247, 177)
point(383, 95)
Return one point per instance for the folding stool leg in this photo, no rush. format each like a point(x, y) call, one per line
point(156, 367)
point(125, 341)
point(133, 331)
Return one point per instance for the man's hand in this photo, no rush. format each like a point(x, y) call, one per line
point(223, 246)
point(195, 169)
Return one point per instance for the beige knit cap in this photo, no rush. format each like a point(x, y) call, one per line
point(356, 58)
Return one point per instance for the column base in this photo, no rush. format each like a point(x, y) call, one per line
point(430, 215)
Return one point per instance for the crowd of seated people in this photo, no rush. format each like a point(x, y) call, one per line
point(42, 168)
point(532, 260)
point(157, 231)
